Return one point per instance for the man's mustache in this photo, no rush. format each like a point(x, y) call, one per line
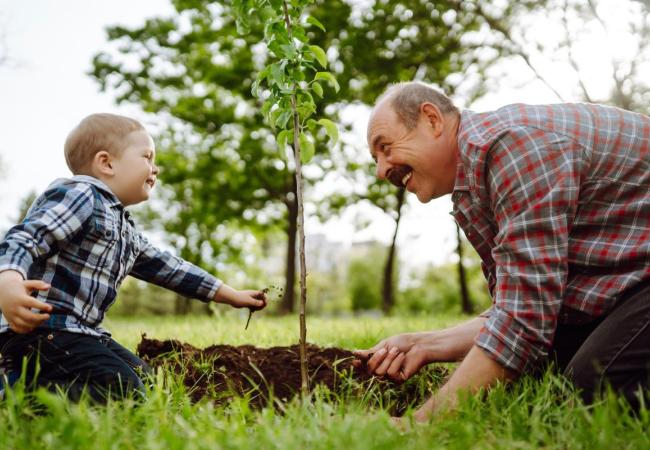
point(397, 174)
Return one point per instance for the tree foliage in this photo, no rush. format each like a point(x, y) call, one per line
point(221, 166)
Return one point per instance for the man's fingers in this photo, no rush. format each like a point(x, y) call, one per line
point(410, 367)
point(369, 353)
point(41, 306)
point(388, 360)
point(36, 285)
point(376, 359)
point(394, 372)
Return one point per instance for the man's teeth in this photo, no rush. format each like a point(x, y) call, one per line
point(406, 178)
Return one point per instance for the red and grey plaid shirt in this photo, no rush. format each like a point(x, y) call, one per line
point(556, 200)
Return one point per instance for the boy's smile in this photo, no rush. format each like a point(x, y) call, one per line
point(134, 171)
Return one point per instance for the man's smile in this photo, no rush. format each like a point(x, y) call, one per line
point(400, 175)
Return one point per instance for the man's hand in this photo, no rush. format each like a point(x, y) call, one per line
point(399, 357)
point(255, 300)
point(16, 302)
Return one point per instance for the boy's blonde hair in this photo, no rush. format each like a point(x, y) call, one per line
point(96, 133)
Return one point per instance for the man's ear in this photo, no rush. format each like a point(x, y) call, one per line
point(433, 116)
point(102, 163)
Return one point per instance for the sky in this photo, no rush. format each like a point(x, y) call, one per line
point(45, 91)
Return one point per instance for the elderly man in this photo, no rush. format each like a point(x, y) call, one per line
point(556, 201)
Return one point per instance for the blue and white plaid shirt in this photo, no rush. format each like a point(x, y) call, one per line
point(78, 238)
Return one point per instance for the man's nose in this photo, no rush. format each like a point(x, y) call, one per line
point(381, 168)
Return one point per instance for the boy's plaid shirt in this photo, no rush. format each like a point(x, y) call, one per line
point(78, 238)
point(556, 200)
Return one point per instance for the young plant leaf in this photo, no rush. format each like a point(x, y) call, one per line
point(314, 21)
point(306, 149)
point(329, 78)
point(331, 129)
point(318, 89)
point(320, 55)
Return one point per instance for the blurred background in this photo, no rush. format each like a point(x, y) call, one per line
point(225, 199)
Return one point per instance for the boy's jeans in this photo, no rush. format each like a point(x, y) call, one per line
point(74, 362)
point(614, 350)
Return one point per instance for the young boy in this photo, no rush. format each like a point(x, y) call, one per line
point(73, 249)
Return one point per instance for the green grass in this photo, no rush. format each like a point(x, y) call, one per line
point(530, 414)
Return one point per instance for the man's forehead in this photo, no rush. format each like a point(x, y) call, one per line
point(380, 117)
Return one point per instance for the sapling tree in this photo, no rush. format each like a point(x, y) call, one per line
point(295, 71)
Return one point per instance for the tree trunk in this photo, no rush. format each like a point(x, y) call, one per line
point(288, 303)
point(388, 288)
point(466, 302)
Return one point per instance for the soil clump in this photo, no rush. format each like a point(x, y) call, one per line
point(220, 372)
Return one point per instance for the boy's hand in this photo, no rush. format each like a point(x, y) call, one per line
point(255, 300)
point(16, 302)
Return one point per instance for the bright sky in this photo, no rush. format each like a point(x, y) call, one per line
point(47, 91)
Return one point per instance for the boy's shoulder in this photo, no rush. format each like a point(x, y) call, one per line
point(80, 186)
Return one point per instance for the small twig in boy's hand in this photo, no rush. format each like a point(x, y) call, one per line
point(250, 314)
point(260, 296)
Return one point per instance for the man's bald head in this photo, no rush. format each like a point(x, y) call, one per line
point(406, 98)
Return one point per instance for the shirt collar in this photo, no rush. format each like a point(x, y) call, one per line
point(461, 183)
point(110, 196)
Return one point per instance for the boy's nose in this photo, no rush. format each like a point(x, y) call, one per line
point(155, 169)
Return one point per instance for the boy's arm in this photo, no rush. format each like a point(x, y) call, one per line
point(171, 272)
point(57, 215)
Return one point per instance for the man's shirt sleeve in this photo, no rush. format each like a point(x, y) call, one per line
point(58, 215)
point(533, 177)
point(171, 272)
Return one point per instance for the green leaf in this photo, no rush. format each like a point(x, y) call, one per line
point(306, 149)
point(329, 78)
point(331, 129)
point(317, 88)
point(314, 21)
point(283, 119)
point(283, 137)
point(320, 55)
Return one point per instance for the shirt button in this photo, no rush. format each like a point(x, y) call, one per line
point(50, 337)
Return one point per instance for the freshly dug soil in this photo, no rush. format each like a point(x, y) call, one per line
point(220, 371)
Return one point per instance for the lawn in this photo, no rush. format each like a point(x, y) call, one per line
point(529, 414)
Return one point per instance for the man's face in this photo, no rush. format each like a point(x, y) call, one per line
point(422, 160)
point(135, 170)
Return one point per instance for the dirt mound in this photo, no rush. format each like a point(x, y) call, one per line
point(220, 371)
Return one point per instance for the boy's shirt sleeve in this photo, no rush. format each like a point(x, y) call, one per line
point(58, 215)
point(171, 272)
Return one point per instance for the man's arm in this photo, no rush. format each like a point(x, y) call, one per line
point(476, 371)
point(401, 356)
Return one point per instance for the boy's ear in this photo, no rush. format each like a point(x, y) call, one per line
point(103, 163)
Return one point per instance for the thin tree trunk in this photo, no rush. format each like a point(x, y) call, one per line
point(466, 302)
point(288, 299)
point(304, 375)
point(388, 289)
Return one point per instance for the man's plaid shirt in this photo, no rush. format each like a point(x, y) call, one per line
point(78, 238)
point(556, 200)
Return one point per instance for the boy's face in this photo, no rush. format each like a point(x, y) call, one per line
point(134, 171)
